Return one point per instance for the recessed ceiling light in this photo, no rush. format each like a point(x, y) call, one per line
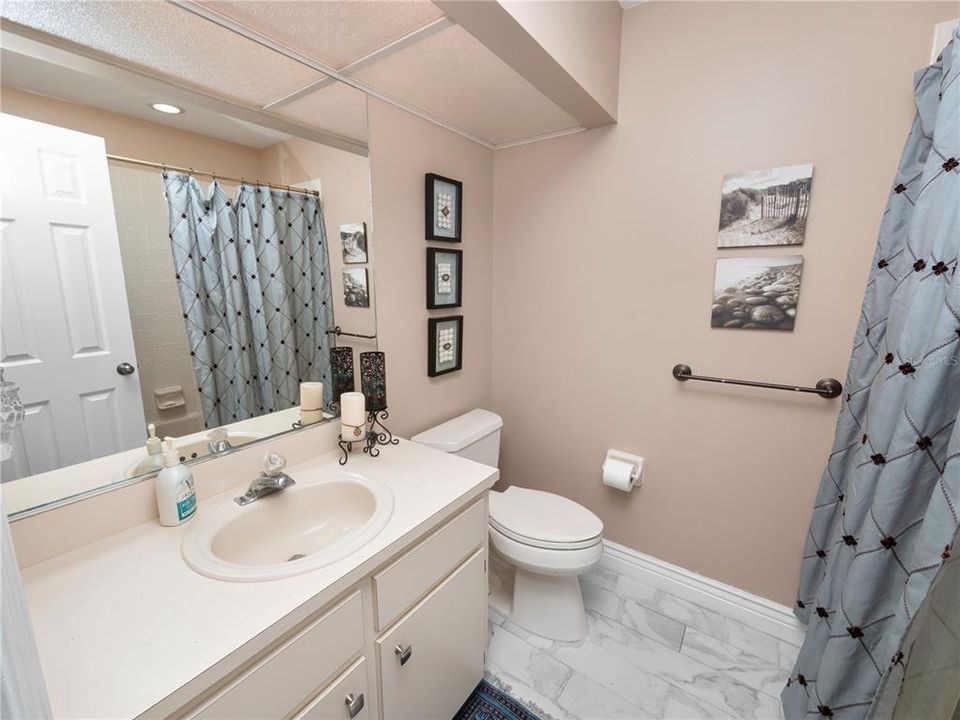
point(166, 108)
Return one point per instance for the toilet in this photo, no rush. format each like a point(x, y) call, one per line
point(549, 539)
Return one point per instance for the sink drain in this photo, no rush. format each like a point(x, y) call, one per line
point(295, 557)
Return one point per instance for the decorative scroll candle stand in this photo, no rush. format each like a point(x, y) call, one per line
point(373, 382)
point(371, 437)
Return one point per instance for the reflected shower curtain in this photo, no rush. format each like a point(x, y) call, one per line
point(888, 508)
point(254, 281)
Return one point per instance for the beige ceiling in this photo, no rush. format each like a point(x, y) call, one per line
point(163, 38)
point(454, 77)
point(341, 108)
point(437, 70)
point(335, 33)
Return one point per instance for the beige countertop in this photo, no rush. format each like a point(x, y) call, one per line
point(124, 626)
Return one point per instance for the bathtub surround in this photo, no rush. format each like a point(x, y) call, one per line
point(626, 217)
point(885, 516)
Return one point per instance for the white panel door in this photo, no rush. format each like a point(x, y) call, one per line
point(65, 323)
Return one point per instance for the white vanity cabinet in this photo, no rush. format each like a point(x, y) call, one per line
point(406, 642)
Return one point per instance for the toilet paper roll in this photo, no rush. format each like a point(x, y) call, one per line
point(619, 474)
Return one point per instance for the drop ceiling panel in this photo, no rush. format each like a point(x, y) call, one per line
point(336, 107)
point(452, 76)
point(335, 32)
point(160, 37)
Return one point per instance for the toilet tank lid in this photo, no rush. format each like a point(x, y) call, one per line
point(456, 434)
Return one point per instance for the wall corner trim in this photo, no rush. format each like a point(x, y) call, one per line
point(754, 611)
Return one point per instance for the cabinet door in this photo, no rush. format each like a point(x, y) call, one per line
point(432, 658)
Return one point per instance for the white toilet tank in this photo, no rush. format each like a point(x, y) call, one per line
point(474, 435)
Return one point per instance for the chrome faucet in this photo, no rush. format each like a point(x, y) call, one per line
point(271, 480)
point(219, 441)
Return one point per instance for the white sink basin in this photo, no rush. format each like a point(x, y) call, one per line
point(290, 532)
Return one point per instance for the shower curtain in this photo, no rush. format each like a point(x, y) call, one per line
point(887, 511)
point(253, 277)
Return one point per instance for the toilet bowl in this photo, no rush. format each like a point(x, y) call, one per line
point(549, 539)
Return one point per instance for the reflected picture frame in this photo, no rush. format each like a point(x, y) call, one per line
point(444, 278)
point(444, 345)
point(443, 200)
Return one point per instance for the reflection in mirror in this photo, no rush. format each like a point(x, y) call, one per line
point(143, 298)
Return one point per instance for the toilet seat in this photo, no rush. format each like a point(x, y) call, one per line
point(543, 520)
point(546, 561)
point(545, 544)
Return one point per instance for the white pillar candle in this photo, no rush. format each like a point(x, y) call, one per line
point(309, 417)
point(353, 416)
point(311, 396)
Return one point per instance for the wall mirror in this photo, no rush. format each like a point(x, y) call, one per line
point(171, 256)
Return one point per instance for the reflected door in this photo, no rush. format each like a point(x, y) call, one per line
point(66, 335)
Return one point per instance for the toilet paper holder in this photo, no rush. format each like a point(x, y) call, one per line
point(635, 460)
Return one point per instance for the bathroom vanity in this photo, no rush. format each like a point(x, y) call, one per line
point(395, 629)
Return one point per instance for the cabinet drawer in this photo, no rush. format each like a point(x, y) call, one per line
point(278, 684)
point(335, 702)
point(433, 657)
point(409, 578)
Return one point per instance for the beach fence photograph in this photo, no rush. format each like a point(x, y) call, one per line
point(765, 207)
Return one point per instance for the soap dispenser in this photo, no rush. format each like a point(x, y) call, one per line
point(154, 459)
point(176, 499)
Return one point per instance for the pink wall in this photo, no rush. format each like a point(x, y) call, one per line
point(403, 149)
point(603, 269)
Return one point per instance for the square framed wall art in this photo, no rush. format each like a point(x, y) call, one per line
point(444, 208)
point(445, 345)
point(353, 239)
point(757, 293)
point(444, 278)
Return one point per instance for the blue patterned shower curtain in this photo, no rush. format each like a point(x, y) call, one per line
point(886, 515)
point(254, 281)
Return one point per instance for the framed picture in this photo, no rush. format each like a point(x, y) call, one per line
point(444, 201)
point(353, 238)
point(756, 293)
point(444, 278)
point(445, 345)
point(765, 207)
point(355, 291)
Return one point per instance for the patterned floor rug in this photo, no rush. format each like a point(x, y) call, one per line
point(488, 703)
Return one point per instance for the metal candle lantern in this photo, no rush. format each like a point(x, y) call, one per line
point(341, 371)
point(373, 380)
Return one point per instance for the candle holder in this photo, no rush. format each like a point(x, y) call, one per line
point(341, 374)
point(373, 380)
point(383, 436)
point(370, 437)
point(369, 440)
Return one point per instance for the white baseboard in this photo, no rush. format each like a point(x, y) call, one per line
point(752, 610)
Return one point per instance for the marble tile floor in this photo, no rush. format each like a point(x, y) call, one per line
point(648, 655)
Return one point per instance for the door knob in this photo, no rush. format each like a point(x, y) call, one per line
point(403, 653)
point(354, 704)
point(125, 368)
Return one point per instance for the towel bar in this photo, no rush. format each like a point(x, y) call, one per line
point(825, 388)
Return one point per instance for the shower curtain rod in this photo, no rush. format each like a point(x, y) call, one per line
point(215, 176)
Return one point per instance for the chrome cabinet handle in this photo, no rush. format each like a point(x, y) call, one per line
point(125, 368)
point(403, 653)
point(354, 704)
